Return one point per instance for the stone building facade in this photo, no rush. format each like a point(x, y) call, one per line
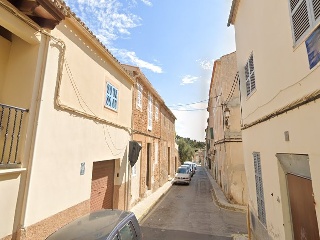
point(224, 141)
point(153, 127)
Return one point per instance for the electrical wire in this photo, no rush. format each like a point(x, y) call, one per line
point(187, 104)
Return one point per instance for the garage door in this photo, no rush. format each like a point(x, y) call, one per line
point(102, 185)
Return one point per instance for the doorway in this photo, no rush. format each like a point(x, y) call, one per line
point(303, 213)
point(148, 172)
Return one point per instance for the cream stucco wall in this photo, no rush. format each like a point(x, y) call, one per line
point(5, 46)
point(9, 187)
point(18, 70)
point(303, 137)
point(20, 73)
point(74, 127)
point(282, 76)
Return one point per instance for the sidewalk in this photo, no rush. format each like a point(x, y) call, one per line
point(222, 202)
point(219, 197)
point(146, 204)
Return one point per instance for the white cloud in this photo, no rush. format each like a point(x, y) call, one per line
point(206, 64)
point(192, 123)
point(110, 20)
point(107, 19)
point(147, 2)
point(188, 79)
point(131, 57)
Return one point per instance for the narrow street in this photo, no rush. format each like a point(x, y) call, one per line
point(188, 212)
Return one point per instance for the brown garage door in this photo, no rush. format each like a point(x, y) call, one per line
point(304, 219)
point(102, 185)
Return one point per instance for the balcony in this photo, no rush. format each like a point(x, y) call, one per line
point(11, 126)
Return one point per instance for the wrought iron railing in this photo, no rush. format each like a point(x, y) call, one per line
point(11, 121)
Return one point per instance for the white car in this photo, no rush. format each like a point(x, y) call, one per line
point(189, 168)
point(182, 176)
point(193, 170)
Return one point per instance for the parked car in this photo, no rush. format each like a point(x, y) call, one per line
point(191, 166)
point(106, 224)
point(189, 169)
point(195, 166)
point(182, 176)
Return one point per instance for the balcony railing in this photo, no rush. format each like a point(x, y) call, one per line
point(11, 121)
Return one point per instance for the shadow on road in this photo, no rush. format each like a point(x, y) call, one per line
point(163, 234)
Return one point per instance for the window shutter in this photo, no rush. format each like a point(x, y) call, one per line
point(139, 96)
point(150, 112)
point(211, 133)
point(259, 187)
point(300, 18)
point(250, 76)
point(316, 9)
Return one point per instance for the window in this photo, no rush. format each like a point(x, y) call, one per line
point(127, 232)
point(259, 187)
point(304, 17)
point(150, 112)
point(111, 97)
point(250, 77)
point(156, 114)
point(211, 133)
point(139, 96)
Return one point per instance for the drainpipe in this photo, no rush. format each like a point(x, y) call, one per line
point(32, 126)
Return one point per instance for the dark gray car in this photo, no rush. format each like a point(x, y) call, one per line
point(106, 224)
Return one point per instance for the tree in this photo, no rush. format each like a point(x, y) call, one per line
point(185, 150)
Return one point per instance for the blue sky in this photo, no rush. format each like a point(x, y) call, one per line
point(174, 42)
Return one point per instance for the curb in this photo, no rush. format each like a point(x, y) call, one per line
point(240, 236)
point(232, 208)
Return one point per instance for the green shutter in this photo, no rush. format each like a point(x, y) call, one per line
point(211, 133)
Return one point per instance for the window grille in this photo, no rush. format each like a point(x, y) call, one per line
point(259, 187)
point(111, 97)
point(250, 76)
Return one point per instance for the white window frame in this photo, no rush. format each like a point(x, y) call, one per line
point(303, 18)
point(156, 114)
point(259, 187)
point(139, 96)
point(112, 97)
point(250, 76)
point(150, 112)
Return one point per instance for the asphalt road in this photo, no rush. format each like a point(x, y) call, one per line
point(189, 212)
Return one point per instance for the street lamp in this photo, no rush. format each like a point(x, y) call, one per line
point(227, 115)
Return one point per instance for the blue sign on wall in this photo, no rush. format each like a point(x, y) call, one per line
point(313, 47)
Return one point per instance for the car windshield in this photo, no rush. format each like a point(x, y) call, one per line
point(182, 170)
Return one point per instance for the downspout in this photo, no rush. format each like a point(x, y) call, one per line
point(32, 125)
point(129, 166)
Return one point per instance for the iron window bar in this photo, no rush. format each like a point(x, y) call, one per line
point(10, 128)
